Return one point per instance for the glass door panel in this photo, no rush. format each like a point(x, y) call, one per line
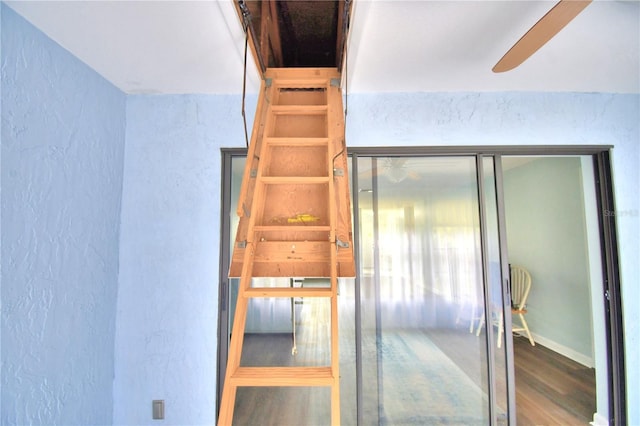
point(551, 221)
point(495, 277)
point(422, 291)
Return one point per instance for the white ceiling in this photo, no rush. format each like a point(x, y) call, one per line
point(395, 45)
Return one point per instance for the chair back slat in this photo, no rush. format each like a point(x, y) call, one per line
point(520, 286)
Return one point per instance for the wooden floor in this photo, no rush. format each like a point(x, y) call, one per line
point(550, 388)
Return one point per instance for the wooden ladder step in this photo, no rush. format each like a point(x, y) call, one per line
point(297, 83)
point(292, 251)
point(288, 292)
point(282, 376)
point(299, 109)
point(293, 227)
point(301, 180)
point(271, 257)
point(296, 141)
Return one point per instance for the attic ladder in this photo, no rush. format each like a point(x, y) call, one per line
point(295, 218)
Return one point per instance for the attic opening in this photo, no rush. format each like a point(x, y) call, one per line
point(296, 33)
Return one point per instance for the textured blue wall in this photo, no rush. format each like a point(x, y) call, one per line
point(1, 375)
point(63, 132)
point(166, 338)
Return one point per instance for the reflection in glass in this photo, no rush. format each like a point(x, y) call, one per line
point(422, 292)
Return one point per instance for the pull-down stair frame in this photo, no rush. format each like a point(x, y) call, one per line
point(295, 218)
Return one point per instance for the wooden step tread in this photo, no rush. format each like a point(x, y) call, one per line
point(298, 109)
point(292, 251)
point(283, 376)
point(275, 180)
point(319, 85)
point(288, 292)
point(295, 141)
point(274, 259)
point(284, 248)
point(310, 74)
point(302, 82)
point(297, 226)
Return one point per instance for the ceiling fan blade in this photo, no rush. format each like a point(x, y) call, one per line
point(543, 31)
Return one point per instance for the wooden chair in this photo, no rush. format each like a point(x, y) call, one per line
point(520, 288)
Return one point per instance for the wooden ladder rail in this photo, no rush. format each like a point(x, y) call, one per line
point(252, 204)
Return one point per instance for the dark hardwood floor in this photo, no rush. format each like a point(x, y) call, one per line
point(550, 388)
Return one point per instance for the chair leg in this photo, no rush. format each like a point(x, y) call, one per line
point(480, 325)
point(526, 329)
point(472, 321)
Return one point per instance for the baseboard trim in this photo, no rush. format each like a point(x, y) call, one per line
point(563, 350)
point(599, 420)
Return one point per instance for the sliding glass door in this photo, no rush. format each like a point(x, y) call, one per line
point(429, 260)
point(425, 328)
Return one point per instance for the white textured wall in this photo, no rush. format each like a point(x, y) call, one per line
point(62, 158)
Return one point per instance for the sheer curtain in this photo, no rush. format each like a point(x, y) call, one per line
point(429, 251)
